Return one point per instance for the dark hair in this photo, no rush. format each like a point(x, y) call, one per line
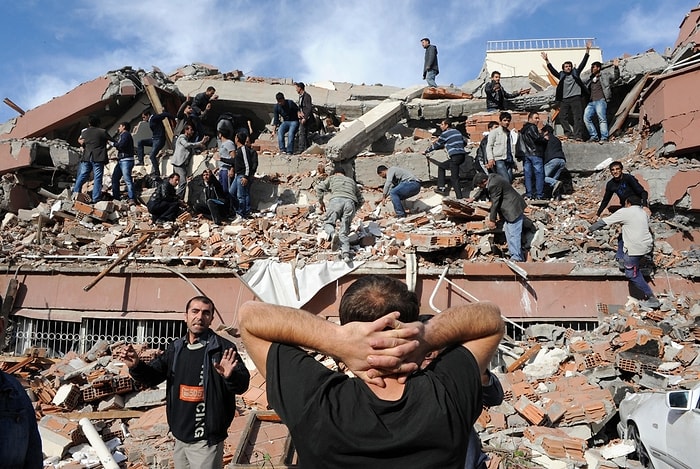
point(615, 163)
point(226, 133)
point(505, 115)
point(381, 168)
point(479, 178)
point(204, 299)
point(597, 64)
point(339, 169)
point(242, 137)
point(568, 62)
point(447, 122)
point(373, 296)
point(548, 128)
point(147, 112)
point(300, 84)
point(126, 125)
point(211, 88)
point(425, 39)
point(172, 175)
point(93, 121)
point(279, 96)
point(530, 114)
point(634, 200)
point(495, 72)
point(492, 124)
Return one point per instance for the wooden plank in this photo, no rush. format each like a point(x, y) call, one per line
point(152, 94)
point(628, 104)
point(524, 357)
point(116, 262)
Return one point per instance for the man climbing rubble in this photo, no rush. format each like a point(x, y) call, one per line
point(636, 242)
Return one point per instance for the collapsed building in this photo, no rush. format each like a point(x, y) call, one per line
point(78, 275)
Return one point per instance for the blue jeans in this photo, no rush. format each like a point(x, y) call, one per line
point(533, 165)
point(552, 170)
point(289, 128)
point(343, 209)
point(514, 234)
point(84, 168)
point(403, 191)
point(430, 77)
point(634, 276)
point(504, 170)
point(156, 145)
point(243, 195)
point(600, 108)
point(123, 170)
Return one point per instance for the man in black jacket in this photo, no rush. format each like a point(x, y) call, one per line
point(571, 93)
point(157, 140)
point(164, 204)
point(622, 184)
point(93, 141)
point(533, 164)
point(206, 196)
point(495, 94)
point(204, 373)
point(554, 161)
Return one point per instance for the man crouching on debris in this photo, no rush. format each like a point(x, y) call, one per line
point(636, 242)
point(203, 375)
point(345, 198)
point(391, 414)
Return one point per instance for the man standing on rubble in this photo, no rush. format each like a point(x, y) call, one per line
point(20, 442)
point(406, 418)
point(599, 89)
point(500, 149)
point(93, 140)
point(533, 160)
point(570, 93)
point(506, 202)
point(452, 141)
point(345, 198)
point(157, 140)
point(554, 161)
point(306, 115)
point(204, 373)
point(430, 62)
point(636, 243)
point(125, 162)
point(400, 185)
point(182, 155)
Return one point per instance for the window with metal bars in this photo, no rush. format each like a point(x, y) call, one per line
point(61, 337)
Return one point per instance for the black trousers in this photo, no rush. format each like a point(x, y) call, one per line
point(452, 165)
point(572, 109)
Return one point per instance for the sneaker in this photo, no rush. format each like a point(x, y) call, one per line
point(441, 190)
point(346, 258)
point(650, 303)
point(238, 219)
point(603, 140)
point(595, 139)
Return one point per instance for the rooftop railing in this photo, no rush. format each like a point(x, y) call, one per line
point(538, 44)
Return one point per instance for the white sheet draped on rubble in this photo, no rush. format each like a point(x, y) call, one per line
point(282, 284)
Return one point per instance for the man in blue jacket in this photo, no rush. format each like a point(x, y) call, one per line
point(452, 141)
point(570, 94)
point(204, 373)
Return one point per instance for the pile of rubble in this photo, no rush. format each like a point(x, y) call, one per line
point(562, 388)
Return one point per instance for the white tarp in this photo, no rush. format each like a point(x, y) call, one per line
point(274, 282)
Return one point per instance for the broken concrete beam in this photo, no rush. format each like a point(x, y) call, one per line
point(364, 130)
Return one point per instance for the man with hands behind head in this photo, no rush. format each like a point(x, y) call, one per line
point(391, 412)
point(203, 373)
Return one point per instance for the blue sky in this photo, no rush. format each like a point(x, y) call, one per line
point(49, 47)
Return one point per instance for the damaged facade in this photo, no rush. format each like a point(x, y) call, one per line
point(79, 275)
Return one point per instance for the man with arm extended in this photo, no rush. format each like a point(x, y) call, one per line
point(385, 416)
point(203, 374)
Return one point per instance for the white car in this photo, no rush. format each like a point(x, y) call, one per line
point(664, 427)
